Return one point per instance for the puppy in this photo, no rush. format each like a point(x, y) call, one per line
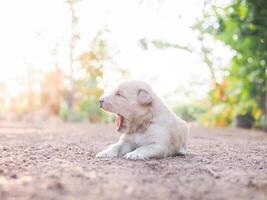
point(149, 128)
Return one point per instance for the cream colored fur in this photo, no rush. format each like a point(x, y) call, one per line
point(150, 128)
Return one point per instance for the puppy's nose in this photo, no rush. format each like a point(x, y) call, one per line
point(101, 101)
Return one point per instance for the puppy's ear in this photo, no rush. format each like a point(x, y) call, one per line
point(144, 98)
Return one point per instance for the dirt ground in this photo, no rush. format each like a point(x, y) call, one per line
point(57, 161)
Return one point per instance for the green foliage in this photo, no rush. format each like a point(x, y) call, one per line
point(92, 111)
point(88, 90)
point(191, 111)
point(54, 95)
point(243, 26)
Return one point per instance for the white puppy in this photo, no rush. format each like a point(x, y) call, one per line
point(149, 129)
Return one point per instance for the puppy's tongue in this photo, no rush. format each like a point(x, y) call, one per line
point(119, 122)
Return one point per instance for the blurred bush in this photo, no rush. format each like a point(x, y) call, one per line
point(226, 108)
point(87, 90)
point(243, 27)
point(190, 111)
point(55, 95)
point(88, 111)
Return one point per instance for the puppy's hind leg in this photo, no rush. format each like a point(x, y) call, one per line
point(182, 151)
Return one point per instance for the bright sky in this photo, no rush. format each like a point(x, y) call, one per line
point(32, 29)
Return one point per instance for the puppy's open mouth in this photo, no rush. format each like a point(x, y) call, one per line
point(119, 122)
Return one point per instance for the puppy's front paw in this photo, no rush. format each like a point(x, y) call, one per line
point(106, 154)
point(134, 156)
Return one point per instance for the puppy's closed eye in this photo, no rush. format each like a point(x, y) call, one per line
point(119, 94)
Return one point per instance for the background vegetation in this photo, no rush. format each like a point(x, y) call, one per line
point(242, 93)
point(237, 92)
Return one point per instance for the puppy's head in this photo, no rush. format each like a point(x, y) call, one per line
point(132, 102)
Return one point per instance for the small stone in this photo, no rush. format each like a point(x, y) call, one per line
point(92, 175)
point(217, 177)
point(250, 183)
point(129, 190)
point(55, 185)
point(14, 176)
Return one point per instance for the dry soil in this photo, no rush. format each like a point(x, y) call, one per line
point(57, 162)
